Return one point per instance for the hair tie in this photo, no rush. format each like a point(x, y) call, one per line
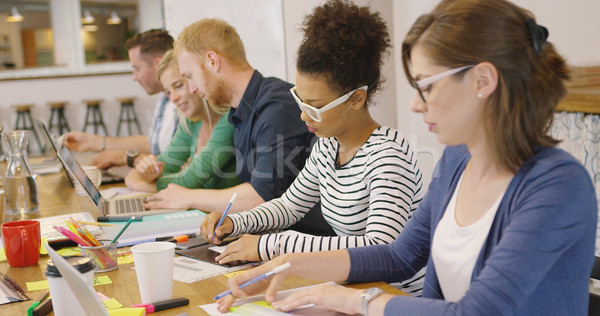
point(538, 33)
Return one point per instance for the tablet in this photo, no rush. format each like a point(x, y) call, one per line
point(205, 254)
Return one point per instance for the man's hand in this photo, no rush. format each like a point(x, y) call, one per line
point(110, 158)
point(174, 196)
point(80, 141)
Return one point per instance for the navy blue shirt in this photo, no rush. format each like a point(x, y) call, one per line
point(271, 141)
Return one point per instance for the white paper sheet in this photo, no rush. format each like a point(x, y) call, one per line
point(212, 308)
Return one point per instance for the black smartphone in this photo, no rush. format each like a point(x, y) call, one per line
point(191, 243)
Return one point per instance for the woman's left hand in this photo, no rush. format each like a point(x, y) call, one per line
point(245, 248)
point(332, 297)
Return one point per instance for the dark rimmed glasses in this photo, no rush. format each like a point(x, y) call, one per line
point(424, 85)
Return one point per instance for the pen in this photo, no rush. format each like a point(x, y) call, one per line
point(224, 214)
point(176, 239)
point(256, 279)
point(118, 218)
point(36, 303)
point(162, 305)
point(122, 230)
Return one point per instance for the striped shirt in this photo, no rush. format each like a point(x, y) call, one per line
point(366, 201)
point(164, 125)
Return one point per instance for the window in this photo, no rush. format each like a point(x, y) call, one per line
point(58, 38)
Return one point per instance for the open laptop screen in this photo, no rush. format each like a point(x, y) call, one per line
point(69, 161)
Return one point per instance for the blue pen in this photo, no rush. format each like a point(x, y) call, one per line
point(223, 216)
point(256, 279)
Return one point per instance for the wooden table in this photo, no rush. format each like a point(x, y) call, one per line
point(57, 197)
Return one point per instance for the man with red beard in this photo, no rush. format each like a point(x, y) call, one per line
point(271, 141)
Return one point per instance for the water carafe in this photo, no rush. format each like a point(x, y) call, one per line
point(20, 190)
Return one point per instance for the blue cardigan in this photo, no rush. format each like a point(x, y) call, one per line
point(536, 260)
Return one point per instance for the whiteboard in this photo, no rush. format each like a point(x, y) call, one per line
point(259, 23)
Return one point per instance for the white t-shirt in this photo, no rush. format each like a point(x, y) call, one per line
point(456, 248)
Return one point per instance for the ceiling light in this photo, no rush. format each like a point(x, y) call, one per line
point(87, 17)
point(15, 16)
point(113, 19)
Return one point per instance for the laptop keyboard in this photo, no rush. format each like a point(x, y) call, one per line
point(132, 205)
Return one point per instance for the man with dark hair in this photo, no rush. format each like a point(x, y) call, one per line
point(145, 51)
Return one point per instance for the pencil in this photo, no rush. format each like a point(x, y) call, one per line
point(123, 229)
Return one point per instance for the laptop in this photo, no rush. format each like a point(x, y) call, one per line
point(84, 292)
point(107, 176)
point(117, 206)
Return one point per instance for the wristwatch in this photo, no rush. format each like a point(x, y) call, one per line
point(131, 154)
point(369, 295)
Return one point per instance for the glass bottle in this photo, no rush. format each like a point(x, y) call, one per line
point(20, 189)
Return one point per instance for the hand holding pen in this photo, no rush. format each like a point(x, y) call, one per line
point(211, 229)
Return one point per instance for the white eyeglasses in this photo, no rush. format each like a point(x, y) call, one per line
point(423, 85)
point(315, 113)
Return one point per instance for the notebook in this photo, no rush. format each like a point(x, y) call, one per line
point(120, 205)
point(107, 176)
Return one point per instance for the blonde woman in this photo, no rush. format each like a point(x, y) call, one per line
point(201, 153)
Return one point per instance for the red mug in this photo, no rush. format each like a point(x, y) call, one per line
point(22, 242)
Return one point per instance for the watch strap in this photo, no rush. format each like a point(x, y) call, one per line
point(367, 296)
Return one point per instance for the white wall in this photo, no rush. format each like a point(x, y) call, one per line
point(383, 108)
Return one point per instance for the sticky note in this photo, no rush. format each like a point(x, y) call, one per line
point(2, 255)
point(69, 251)
point(112, 304)
point(37, 285)
point(124, 257)
point(258, 303)
point(133, 311)
point(42, 249)
point(101, 280)
point(232, 274)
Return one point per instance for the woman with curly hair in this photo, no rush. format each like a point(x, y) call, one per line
point(365, 175)
point(508, 224)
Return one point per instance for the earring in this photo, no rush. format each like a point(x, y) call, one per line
point(480, 95)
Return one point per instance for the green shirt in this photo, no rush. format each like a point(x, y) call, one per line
point(212, 168)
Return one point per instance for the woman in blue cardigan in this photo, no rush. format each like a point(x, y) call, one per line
point(508, 224)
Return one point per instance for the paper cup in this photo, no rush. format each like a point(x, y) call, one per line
point(64, 301)
point(95, 176)
point(154, 270)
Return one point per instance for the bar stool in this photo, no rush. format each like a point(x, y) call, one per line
point(128, 115)
point(57, 110)
point(25, 122)
point(93, 108)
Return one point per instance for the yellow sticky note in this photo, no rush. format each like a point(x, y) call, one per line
point(125, 258)
point(2, 255)
point(232, 274)
point(43, 285)
point(69, 251)
point(132, 311)
point(42, 249)
point(101, 280)
point(37, 285)
point(112, 304)
point(259, 303)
